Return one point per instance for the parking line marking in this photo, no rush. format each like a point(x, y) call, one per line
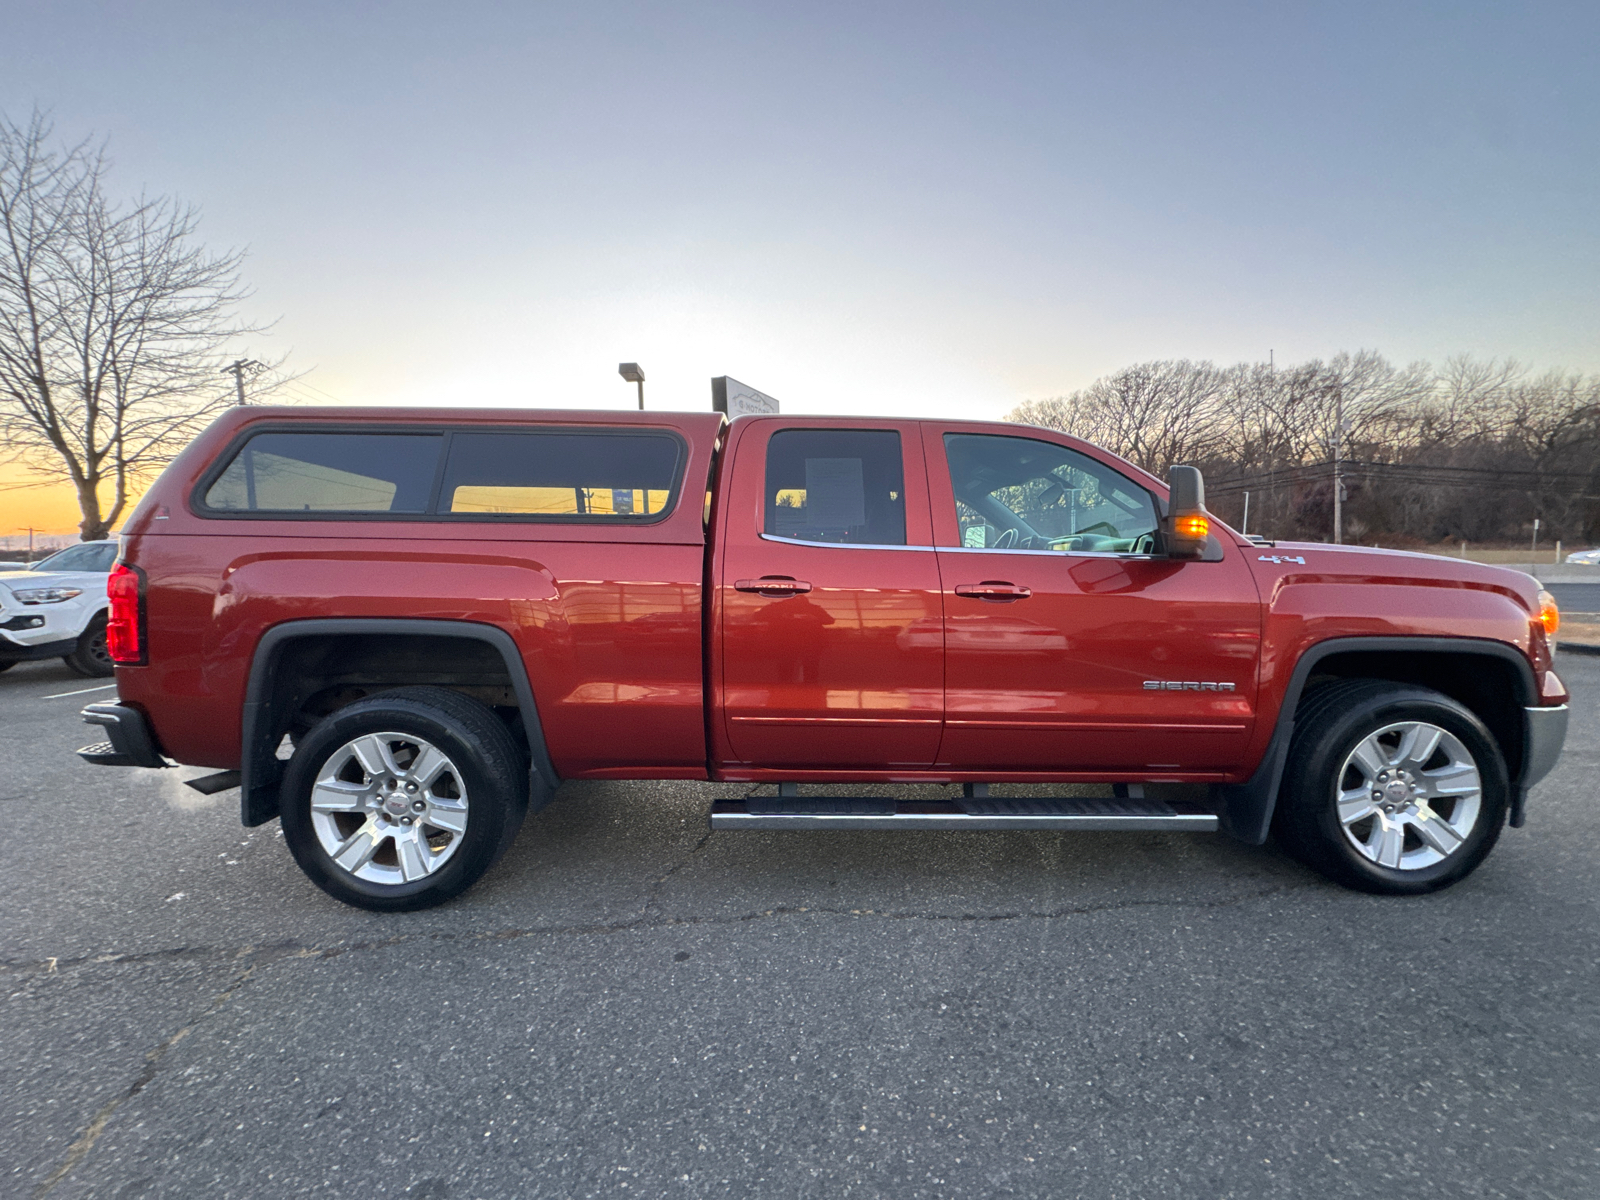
point(81, 692)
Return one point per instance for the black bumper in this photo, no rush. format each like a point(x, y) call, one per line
point(16, 652)
point(131, 744)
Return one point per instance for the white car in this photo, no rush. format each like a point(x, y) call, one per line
point(57, 609)
point(1585, 558)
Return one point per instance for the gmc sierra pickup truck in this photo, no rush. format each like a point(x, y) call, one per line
point(398, 630)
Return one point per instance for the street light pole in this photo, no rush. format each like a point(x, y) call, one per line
point(633, 374)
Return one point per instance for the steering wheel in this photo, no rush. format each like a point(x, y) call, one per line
point(1005, 541)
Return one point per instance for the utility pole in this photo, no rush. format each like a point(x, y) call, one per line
point(237, 369)
point(1338, 467)
point(1244, 526)
point(1534, 549)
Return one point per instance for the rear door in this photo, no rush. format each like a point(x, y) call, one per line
point(1070, 645)
point(828, 599)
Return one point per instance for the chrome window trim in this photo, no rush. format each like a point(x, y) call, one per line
point(773, 537)
point(1051, 553)
point(787, 541)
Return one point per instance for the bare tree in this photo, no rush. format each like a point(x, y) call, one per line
point(1153, 414)
point(113, 323)
point(1475, 450)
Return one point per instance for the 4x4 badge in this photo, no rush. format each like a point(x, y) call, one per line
point(1282, 558)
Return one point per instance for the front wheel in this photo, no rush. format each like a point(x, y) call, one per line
point(403, 800)
point(1391, 788)
point(92, 657)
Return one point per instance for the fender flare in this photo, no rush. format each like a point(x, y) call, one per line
point(262, 771)
point(1245, 810)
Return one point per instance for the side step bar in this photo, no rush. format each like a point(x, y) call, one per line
point(876, 812)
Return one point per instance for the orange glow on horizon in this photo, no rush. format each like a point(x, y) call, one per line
point(50, 508)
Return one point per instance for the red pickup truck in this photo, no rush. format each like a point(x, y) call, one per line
point(397, 630)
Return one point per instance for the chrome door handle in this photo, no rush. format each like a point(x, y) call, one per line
point(994, 589)
point(772, 585)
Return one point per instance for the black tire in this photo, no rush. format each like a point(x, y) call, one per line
point(1329, 724)
point(92, 657)
point(8, 664)
point(493, 772)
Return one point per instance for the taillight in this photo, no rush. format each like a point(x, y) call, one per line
point(125, 638)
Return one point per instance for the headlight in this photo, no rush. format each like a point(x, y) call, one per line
point(46, 595)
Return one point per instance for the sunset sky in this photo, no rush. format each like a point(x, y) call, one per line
point(902, 208)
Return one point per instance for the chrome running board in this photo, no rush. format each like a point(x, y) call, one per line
point(987, 812)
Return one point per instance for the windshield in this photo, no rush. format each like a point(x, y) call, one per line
point(86, 556)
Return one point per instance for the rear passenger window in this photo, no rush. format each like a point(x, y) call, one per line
point(578, 475)
point(329, 472)
point(836, 485)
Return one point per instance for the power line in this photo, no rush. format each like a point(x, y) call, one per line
point(297, 392)
point(1415, 473)
point(311, 387)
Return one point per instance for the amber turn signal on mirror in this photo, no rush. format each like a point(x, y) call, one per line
point(1187, 525)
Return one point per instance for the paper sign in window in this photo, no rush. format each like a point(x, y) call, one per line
point(835, 495)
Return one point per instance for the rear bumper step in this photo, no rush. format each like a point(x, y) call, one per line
point(131, 744)
point(875, 812)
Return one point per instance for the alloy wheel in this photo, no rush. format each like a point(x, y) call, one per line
point(1408, 795)
point(389, 808)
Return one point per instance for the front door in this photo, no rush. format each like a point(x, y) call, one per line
point(1071, 646)
point(828, 591)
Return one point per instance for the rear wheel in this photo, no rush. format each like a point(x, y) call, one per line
point(1391, 788)
point(92, 657)
point(403, 800)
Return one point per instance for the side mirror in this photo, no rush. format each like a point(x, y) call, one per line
point(1187, 525)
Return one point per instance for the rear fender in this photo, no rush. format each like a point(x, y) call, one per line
point(263, 722)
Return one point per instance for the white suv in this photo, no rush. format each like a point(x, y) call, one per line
point(57, 609)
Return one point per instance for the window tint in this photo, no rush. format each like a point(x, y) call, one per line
point(624, 476)
point(90, 556)
point(329, 472)
point(836, 485)
point(1017, 493)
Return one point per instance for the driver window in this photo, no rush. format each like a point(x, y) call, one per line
point(1016, 493)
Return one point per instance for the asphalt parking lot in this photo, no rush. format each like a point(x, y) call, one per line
point(628, 1006)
